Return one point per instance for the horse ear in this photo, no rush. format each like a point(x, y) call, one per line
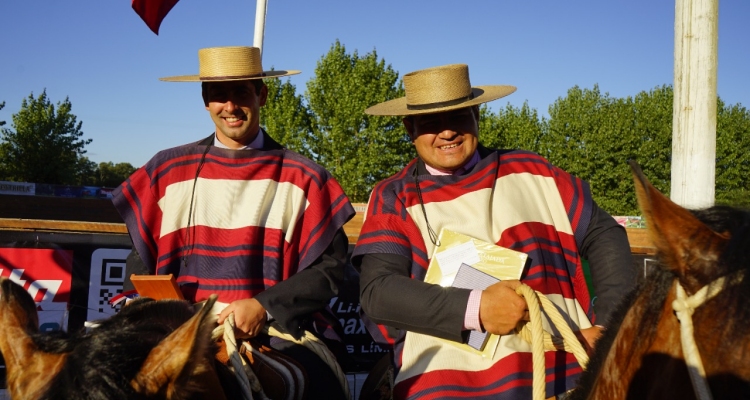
point(20, 304)
point(24, 361)
point(18, 320)
point(184, 353)
point(675, 231)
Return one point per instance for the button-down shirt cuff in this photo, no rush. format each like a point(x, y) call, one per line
point(471, 319)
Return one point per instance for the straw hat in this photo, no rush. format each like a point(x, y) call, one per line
point(439, 89)
point(218, 64)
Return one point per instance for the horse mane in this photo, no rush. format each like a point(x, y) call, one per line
point(734, 301)
point(656, 287)
point(733, 262)
point(103, 360)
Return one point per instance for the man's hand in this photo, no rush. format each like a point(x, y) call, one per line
point(249, 317)
point(502, 308)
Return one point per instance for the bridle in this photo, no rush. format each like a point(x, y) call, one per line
point(684, 306)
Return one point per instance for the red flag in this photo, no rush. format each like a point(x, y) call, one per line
point(152, 12)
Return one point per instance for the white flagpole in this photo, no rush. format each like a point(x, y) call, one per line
point(260, 24)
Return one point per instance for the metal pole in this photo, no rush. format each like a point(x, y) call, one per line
point(260, 24)
point(694, 110)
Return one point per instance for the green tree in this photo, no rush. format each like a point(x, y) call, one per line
point(358, 149)
point(732, 155)
point(593, 135)
point(511, 128)
point(581, 130)
point(286, 118)
point(112, 175)
point(86, 172)
point(45, 145)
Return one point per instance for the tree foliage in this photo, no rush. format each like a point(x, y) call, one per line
point(511, 128)
point(112, 175)
point(733, 155)
point(358, 149)
point(286, 117)
point(87, 172)
point(593, 135)
point(45, 144)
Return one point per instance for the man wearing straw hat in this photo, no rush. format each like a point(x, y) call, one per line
point(238, 215)
point(511, 198)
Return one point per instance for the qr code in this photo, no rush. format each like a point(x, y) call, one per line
point(106, 279)
point(105, 295)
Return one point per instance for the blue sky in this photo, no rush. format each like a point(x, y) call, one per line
point(100, 55)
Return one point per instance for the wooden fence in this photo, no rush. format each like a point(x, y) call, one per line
point(53, 214)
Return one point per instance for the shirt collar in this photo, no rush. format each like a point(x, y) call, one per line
point(257, 143)
point(469, 165)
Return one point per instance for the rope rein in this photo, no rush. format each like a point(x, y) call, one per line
point(684, 306)
point(249, 380)
point(541, 341)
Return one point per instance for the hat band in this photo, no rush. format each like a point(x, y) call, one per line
point(440, 103)
point(223, 78)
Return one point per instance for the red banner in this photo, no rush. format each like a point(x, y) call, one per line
point(45, 274)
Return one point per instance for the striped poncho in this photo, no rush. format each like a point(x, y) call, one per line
point(251, 218)
point(517, 200)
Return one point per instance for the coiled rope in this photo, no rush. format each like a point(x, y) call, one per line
point(249, 380)
point(541, 341)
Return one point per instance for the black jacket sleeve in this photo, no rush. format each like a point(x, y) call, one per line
point(390, 297)
point(293, 300)
point(611, 263)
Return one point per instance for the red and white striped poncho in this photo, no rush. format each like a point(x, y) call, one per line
point(517, 200)
point(258, 217)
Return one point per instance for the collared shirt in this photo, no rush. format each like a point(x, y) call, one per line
point(471, 319)
point(257, 143)
point(469, 165)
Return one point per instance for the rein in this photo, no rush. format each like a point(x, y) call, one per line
point(249, 380)
point(684, 306)
point(533, 332)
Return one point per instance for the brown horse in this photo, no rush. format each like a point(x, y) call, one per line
point(642, 356)
point(149, 350)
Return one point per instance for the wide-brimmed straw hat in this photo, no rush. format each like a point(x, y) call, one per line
point(233, 63)
point(439, 89)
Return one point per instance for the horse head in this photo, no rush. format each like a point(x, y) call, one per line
point(150, 350)
point(701, 284)
point(686, 246)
